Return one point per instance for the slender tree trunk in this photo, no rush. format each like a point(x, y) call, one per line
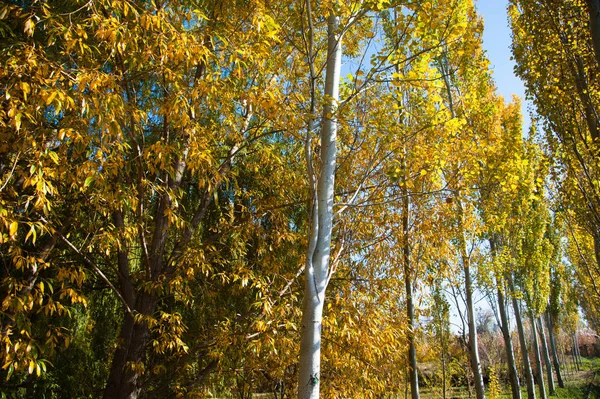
point(594, 10)
point(575, 364)
point(473, 348)
point(317, 270)
point(412, 351)
point(546, 354)
point(410, 308)
point(537, 357)
point(524, 351)
point(505, 328)
point(444, 383)
point(565, 361)
point(577, 352)
point(510, 356)
point(549, 323)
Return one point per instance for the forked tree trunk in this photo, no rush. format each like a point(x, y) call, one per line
point(128, 361)
point(555, 359)
point(524, 351)
point(546, 356)
point(317, 263)
point(537, 357)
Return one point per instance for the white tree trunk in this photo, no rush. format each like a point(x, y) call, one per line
point(317, 263)
point(537, 356)
point(473, 346)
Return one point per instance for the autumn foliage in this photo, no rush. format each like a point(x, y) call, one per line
point(159, 172)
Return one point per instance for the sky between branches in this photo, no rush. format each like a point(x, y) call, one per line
point(497, 41)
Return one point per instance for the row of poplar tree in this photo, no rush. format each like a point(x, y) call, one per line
point(188, 189)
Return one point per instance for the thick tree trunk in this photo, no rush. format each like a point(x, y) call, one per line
point(119, 359)
point(128, 361)
point(555, 359)
point(317, 269)
point(524, 351)
point(510, 355)
point(546, 355)
point(537, 357)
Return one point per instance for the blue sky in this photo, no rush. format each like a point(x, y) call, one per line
point(496, 41)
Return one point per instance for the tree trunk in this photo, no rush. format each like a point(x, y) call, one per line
point(410, 307)
point(524, 351)
point(510, 356)
point(505, 328)
point(561, 384)
point(119, 359)
point(546, 354)
point(317, 270)
point(473, 349)
point(574, 353)
point(578, 353)
point(594, 10)
point(444, 383)
point(537, 357)
point(128, 362)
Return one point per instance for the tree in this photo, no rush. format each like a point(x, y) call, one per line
point(136, 115)
point(564, 34)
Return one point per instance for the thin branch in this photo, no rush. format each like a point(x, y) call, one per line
point(91, 264)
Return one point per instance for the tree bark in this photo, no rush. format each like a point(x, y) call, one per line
point(410, 309)
point(577, 352)
point(555, 359)
point(524, 351)
point(537, 357)
point(504, 327)
point(546, 355)
point(473, 348)
point(317, 270)
point(594, 10)
point(510, 356)
point(574, 353)
point(413, 370)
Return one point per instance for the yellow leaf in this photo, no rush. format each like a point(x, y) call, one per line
point(51, 97)
point(31, 366)
point(13, 228)
point(29, 26)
